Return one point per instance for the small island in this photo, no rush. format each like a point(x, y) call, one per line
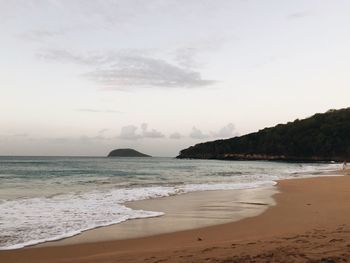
point(126, 153)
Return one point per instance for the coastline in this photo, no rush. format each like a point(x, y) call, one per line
point(345, 172)
point(181, 212)
point(310, 214)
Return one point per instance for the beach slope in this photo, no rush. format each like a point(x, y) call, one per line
point(310, 223)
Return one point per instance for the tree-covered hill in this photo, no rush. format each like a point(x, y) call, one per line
point(322, 137)
point(126, 153)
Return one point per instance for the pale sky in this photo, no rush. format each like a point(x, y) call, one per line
point(83, 77)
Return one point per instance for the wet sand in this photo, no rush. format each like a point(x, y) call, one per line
point(345, 171)
point(309, 223)
point(182, 212)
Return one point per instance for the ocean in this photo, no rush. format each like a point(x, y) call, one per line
point(50, 198)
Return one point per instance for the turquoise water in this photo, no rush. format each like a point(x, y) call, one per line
point(49, 198)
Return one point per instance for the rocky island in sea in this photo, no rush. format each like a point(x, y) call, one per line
point(321, 137)
point(126, 153)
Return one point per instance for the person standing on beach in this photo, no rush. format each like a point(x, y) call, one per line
point(344, 165)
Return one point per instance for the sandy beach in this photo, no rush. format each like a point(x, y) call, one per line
point(309, 223)
point(166, 131)
point(182, 212)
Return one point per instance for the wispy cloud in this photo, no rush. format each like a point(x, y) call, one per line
point(147, 72)
point(81, 139)
point(66, 56)
point(20, 135)
point(14, 136)
point(98, 111)
point(298, 15)
point(132, 69)
point(102, 131)
point(40, 35)
point(175, 135)
point(186, 57)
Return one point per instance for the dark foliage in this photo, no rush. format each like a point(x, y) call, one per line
point(126, 153)
point(322, 137)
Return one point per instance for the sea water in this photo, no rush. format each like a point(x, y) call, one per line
point(50, 198)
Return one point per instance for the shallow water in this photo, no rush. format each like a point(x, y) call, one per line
point(48, 198)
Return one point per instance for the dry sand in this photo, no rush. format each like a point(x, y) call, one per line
point(310, 223)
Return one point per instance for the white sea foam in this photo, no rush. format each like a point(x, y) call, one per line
point(31, 221)
point(61, 201)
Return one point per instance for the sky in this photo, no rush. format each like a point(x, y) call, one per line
point(83, 77)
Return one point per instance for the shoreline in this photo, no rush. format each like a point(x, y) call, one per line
point(116, 231)
point(146, 227)
point(309, 213)
point(182, 212)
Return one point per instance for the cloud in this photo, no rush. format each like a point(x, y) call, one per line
point(98, 111)
point(150, 133)
point(102, 131)
point(77, 140)
point(175, 135)
point(130, 69)
point(147, 72)
point(226, 131)
point(130, 132)
point(66, 56)
point(40, 35)
point(186, 57)
point(20, 135)
point(298, 15)
point(14, 136)
point(198, 134)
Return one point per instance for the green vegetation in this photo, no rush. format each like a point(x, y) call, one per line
point(126, 153)
point(322, 137)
